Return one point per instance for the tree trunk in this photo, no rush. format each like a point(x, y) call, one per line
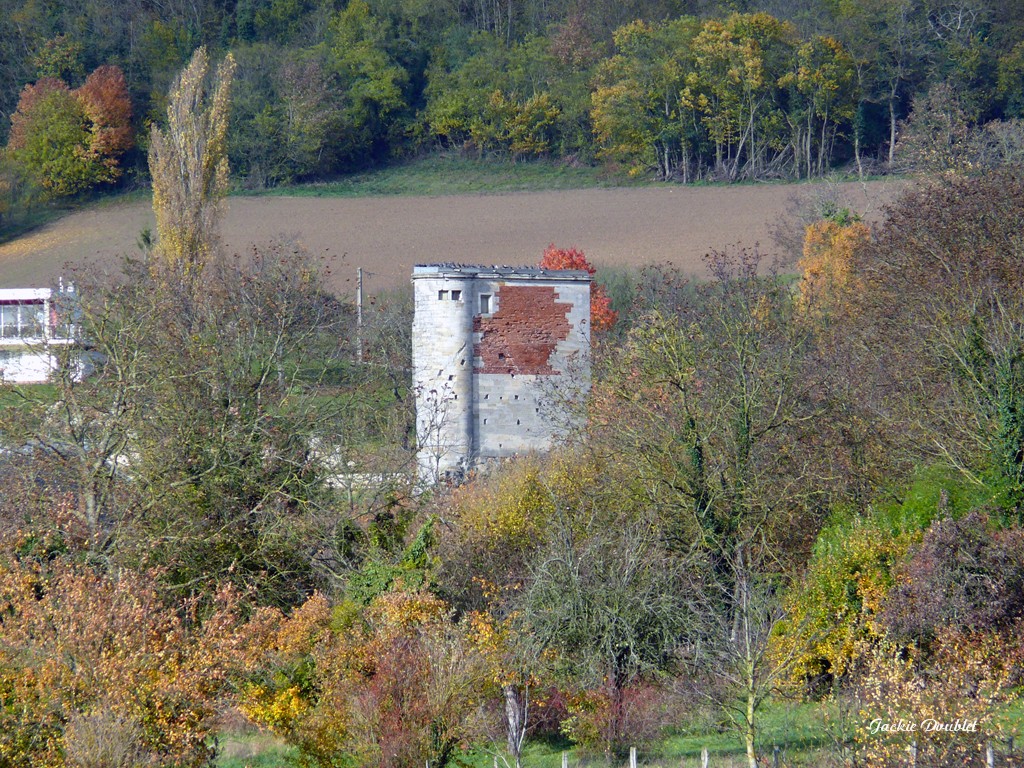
point(750, 732)
point(892, 127)
point(516, 704)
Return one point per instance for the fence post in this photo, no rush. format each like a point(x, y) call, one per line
point(632, 757)
point(704, 758)
point(913, 754)
point(990, 756)
point(775, 756)
point(565, 760)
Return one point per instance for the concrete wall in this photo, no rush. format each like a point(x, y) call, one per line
point(498, 353)
point(25, 364)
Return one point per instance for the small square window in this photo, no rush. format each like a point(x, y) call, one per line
point(442, 295)
point(485, 304)
point(456, 295)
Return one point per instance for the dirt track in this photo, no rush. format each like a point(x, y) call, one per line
point(387, 235)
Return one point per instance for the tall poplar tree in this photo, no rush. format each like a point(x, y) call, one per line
point(189, 165)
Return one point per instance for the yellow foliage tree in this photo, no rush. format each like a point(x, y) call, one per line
point(189, 166)
point(948, 702)
point(832, 617)
point(829, 284)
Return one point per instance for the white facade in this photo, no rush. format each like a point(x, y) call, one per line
point(498, 352)
point(29, 339)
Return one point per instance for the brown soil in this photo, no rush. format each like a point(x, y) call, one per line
point(387, 235)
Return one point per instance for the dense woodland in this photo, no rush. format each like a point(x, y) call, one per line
point(673, 89)
point(803, 487)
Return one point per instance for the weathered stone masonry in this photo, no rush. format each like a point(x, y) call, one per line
point(496, 352)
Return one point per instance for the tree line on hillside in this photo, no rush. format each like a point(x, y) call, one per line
point(677, 89)
point(808, 489)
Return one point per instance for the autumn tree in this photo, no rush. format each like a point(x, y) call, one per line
point(963, 574)
point(834, 612)
point(395, 686)
point(189, 167)
point(969, 676)
point(827, 265)
point(495, 526)
point(824, 80)
point(97, 669)
point(104, 97)
point(936, 136)
point(70, 141)
point(739, 64)
point(640, 113)
point(602, 316)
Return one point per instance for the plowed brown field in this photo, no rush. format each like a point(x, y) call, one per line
point(387, 235)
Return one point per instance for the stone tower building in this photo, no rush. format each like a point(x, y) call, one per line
point(497, 354)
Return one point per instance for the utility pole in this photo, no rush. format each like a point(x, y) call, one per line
point(359, 315)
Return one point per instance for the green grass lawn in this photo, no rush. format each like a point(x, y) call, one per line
point(251, 749)
point(444, 174)
point(798, 730)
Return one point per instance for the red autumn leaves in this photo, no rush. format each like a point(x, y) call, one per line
point(602, 316)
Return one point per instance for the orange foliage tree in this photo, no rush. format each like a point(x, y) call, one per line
point(956, 695)
point(828, 266)
point(602, 316)
point(98, 669)
point(70, 140)
point(108, 108)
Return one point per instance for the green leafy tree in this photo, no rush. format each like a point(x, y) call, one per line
point(640, 113)
point(60, 58)
point(1011, 81)
point(371, 80)
point(506, 100)
point(283, 116)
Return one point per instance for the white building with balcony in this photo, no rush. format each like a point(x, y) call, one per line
point(31, 339)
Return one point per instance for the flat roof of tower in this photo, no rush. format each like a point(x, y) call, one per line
point(497, 272)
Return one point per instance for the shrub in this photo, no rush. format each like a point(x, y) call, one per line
point(97, 669)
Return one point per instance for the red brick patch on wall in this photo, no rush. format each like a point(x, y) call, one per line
point(522, 334)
